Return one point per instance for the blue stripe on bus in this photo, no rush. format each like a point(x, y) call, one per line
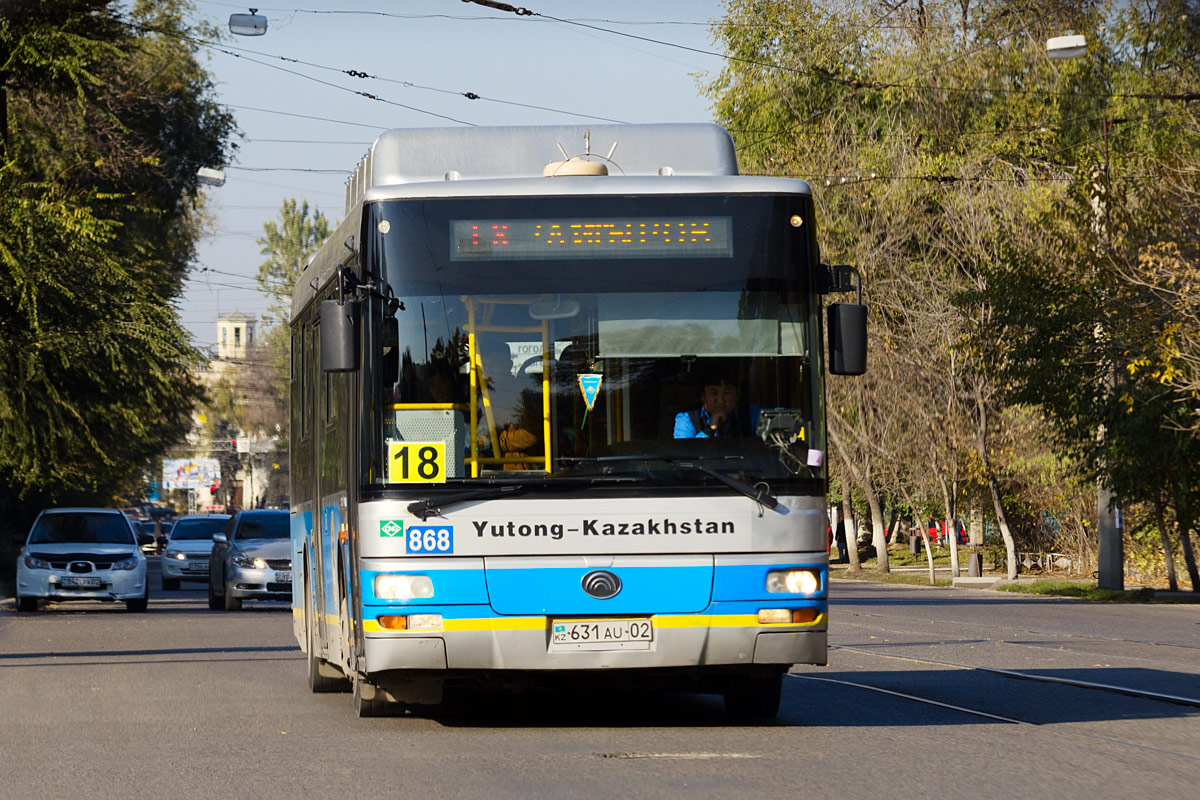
point(659, 589)
point(665, 589)
point(476, 611)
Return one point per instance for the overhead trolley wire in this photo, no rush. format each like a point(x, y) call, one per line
point(238, 52)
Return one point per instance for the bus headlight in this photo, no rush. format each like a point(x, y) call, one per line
point(403, 587)
point(794, 581)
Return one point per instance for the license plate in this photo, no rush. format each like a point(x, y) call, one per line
point(80, 583)
point(601, 634)
point(283, 577)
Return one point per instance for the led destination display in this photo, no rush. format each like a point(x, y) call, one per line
point(630, 237)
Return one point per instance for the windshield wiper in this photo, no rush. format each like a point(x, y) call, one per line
point(754, 493)
point(431, 506)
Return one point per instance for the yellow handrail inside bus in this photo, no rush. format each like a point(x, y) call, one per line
point(429, 407)
point(478, 387)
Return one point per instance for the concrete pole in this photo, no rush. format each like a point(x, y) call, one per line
point(1110, 561)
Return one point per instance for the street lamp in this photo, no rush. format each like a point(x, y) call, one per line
point(211, 177)
point(1064, 47)
point(1110, 560)
point(252, 24)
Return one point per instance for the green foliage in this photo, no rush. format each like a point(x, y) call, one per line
point(289, 245)
point(95, 370)
point(108, 119)
point(1017, 222)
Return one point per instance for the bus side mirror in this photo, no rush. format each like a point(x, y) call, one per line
point(339, 336)
point(847, 338)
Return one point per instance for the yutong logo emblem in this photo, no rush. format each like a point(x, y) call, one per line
point(601, 584)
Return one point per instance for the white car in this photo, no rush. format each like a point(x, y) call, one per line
point(82, 554)
point(188, 549)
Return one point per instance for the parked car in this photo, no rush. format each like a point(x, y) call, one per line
point(251, 560)
point(82, 554)
point(188, 549)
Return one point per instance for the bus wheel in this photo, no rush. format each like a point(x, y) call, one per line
point(369, 701)
point(753, 697)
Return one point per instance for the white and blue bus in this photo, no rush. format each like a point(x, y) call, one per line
point(562, 417)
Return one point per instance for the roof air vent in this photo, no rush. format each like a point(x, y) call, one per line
point(574, 166)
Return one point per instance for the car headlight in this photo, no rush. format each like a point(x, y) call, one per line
point(175, 554)
point(36, 563)
point(127, 564)
point(403, 587)
point(794, 581)
point(246, 562)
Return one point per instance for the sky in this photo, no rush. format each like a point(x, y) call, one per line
point(423, 55)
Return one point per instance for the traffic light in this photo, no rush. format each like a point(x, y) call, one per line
point(233, 444)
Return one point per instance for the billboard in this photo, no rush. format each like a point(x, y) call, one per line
point(191, 473)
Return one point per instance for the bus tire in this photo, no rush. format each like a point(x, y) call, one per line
point(753, 697)
point(374, 705)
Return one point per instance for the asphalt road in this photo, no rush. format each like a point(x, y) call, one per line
point(184, 702)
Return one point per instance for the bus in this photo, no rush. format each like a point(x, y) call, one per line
point(506, 469)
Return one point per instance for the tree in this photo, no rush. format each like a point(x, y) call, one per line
point(105, 121)
point(955, 164)
point(289, 245)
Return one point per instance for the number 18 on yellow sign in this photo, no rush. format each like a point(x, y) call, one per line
point(416, 462)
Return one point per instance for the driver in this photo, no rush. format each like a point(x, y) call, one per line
point(717, 414)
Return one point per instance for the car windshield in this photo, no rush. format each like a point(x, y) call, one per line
point(197, 528)
point(81, 528)
point(264, 526)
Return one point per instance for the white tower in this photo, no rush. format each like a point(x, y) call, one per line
point(235, 335)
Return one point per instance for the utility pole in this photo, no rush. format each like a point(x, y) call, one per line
point(1110, 558)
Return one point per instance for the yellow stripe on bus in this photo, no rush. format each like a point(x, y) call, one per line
point(539, 623)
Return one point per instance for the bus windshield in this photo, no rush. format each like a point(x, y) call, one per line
point(625, 338)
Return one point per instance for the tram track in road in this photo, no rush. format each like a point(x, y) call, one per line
point(1128, 691)
point(1058, 647)
point(986, 714)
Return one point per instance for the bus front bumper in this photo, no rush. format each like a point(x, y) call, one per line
point(524, 643)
